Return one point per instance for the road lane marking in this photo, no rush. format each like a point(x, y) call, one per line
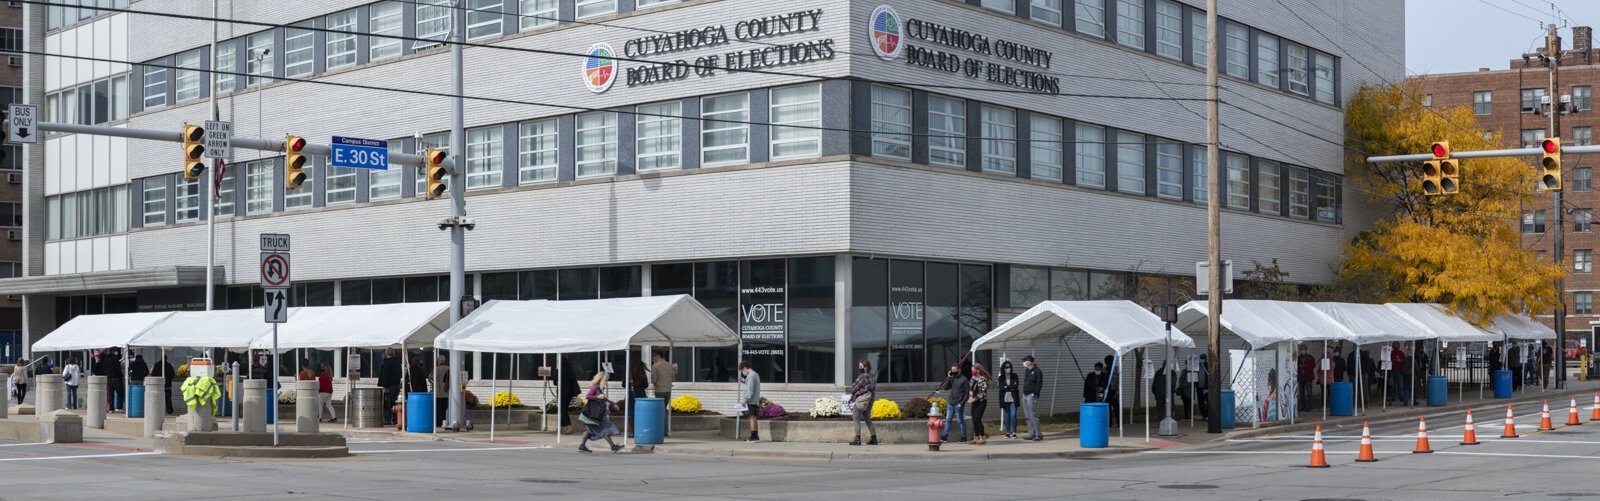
point(468, 449)
point(1508, 454)
point(90, 456)
point(24, 445)
point(1270, 452)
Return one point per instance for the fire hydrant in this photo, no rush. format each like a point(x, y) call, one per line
point(935, 427)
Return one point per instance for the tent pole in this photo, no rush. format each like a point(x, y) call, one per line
point(405, 385)
point(560, 406)
point(627, 385)
point(349, 385)
point(1055, 382)
point(1118, 362)
point(668, 405)
point(511, 380)
point(1324, 378)
point(435, 414)
point(494, 378)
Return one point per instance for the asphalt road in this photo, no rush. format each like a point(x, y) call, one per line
point(1560, 464)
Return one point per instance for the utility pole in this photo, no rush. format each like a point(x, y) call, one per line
point(1213, 226)
point(210, 211)
point(1553, 62)
point(458, 210)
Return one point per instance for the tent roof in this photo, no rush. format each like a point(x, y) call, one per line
point(1121, 325)
point(587, 325)
point(361, 326)
point(1521, 327)
point(1373, 323)
point(1263, 322)
point(1441, 324)
point(87, 332)
point(233, 329)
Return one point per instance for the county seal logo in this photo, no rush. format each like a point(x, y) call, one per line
point(600, 68)
point(885, 31)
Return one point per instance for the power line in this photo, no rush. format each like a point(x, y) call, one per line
point(1509, 11)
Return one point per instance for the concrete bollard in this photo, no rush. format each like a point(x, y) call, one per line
point(200, 419)
point(255, 406)
point(51, 394)
point(155, 405)
point(61, 427)
point(306, 411)
point(95, 416)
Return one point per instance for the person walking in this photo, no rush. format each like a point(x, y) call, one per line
point(596, 415)
point(957, 390)
point(661, 375)
point(750, 396)
point(325, 393)
point(23, 375)
point(1032, 384)
point(1305, 375)
point(1010, 396)
point(863, 393)
point(389, 379)
point(71, 375)
point(978, 401)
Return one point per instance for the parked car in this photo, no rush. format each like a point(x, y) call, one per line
point(1575, 349)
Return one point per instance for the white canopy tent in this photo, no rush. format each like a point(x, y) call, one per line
point(414, 325)
point(1263, 322)
point(231, 329)
point(1521, 327)
point(88, 332)
point(1120, 325)
point(1373, 323)
point(1441, 325)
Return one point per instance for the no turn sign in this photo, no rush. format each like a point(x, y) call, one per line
point(274, 270)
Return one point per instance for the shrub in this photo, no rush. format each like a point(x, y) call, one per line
point(944, 406)
point(885, 409)
point(765, 402)
point(826, 407)
point(505, 399)
point(182, 372)
point(551, 407)
point(917, 408)
point(686, 404)
point(773, 410)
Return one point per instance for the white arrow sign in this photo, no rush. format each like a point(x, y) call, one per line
point(277, 306)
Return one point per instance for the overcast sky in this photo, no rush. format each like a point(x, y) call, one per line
point(1448, 36)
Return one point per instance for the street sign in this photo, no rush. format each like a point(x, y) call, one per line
point(360, 153)
point(23, 128)
point(219, 137)
point(1202, 277)
point(276, 305)
point(274, 270)
point(274, 242)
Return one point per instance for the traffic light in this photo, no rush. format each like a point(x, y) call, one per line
point(1441, 175)
point(294, 162)
point(1550, 162)
point(434, 158)
point(194, 149)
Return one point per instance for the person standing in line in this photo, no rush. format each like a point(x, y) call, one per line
point(138, 370)
point(1092, 391)
point(863, 393)
point(389, 379)
point(325, 393)
point(957, 388)
point(307, 373)
point(1113, 398)
point(750, 396)
point(441, 384)
point(70, 376)
point(661, 375)
point(1548, 362)
point(596, 415)
point(1158, 390)
point(416, 379)
point(1514, 362)
point(978, 401)
point(1305, 375)
point(638, 380)
point(567, 393)
point(164, 370)
point(1009, 398)
point(116, 380)
point(1032, 384)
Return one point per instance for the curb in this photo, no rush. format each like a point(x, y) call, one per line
point(891, 456)
point(1392, 415)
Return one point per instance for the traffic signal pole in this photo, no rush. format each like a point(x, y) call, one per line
point(249, 143)
point(458, 210)
point(1553, 62)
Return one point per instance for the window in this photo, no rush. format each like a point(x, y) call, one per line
point(1130, 162)
point(1238, 181)
point(1582, 220)
point(1197, 38)
point(1045, 147)
point(1236, 49)
point(11, 38)
point(1169, 170)
point(188, 200)
point(1482, 102)
point(592, 8)
point(891, 122)
point(341, 48)
point(536, 13)
point(1581, 179)
point(1532, 100)
point(1091, 156)
point(187, 85)
point(1324, 76)
point(596, 144)
point(800, 106)
point(341, 185)
point(947, 131)
point(299, 50)
point(1047, 10)
point(225, 191)
point(1583, 136)
point(385, 184)
point(155, 91)
point(1533, 221)
point(483, 19)
point(660, 133)
point(1532, 137)
point(538, 151)
point(1269, 187)
point(155, 201)
point(1266, 59)
point(259, 64)
point(301, 198)
point(1327, 198)
point(386, 23)
point(725, 142)
point(258, 178)
point(1583, 303)
point(1200, 188)
point(226, 66)
point(999, 140)
point(1583, 261)
point(1006, 6)
point(1130, 23)
point(1169, 29)
point(1582, 97)
point(652, 3)
point(1299, 58)
point(433, 22)
point(1427, 101)
point(1091, 16)
point(485, 157)
point(1299, 193)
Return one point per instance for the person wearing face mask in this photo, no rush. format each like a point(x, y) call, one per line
point(862, 394)
point(1009, 397)
point(978, 401)
point(1032, 384)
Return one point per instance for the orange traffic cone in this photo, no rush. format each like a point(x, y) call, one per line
point(1319, 459)
point(1422, 437)
point(1366, 445)
point(1470, 435)
point(1572, 413)
point(1544, 418)
point(1594, 412)
point(1511, 425)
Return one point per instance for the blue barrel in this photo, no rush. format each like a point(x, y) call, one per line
point(1227, 410)
point(136, 401)
point(1341, 399)
point(1438, 391)
point(1502, 384)
point(1094, 425)
point(419, 412)
point(649, 420)
point(272, 405)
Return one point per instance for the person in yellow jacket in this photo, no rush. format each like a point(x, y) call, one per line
point(199, 391)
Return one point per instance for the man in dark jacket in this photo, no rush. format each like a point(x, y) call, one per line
point(1093, 384)
point(137, 371)
point(1032, 384)
point(163, 369)
point(956, 395)
point(389, 379)
point(110, 366)
point(1305, 376)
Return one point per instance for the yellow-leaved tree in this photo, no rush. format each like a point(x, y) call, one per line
point(1461, 250)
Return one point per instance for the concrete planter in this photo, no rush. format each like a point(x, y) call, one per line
point(889, 432)
point(542, 422)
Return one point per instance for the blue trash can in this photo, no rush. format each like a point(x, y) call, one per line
point(136, 401)
point(272, 405)
point(1094, 425)
point(419, 412)
point(1227, 410)
point(1341, 399)
point(1502, 384)
point(649, 420)
point(1438, 391)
